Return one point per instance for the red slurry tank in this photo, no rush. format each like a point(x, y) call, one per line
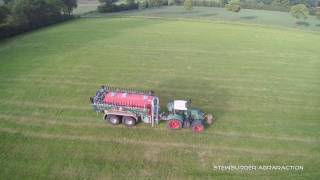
point(126, 106)
point(129, 99)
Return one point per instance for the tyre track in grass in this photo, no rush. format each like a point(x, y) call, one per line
point(39, 121)
point(244, 78)
point(234, 105)
point(127, 141)
point(289, 91)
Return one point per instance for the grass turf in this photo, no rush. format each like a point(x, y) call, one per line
point(261, 83)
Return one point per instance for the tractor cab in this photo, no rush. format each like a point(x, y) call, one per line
point(183, 108)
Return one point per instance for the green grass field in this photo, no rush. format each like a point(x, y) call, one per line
point(270, 18)
point(261, 83)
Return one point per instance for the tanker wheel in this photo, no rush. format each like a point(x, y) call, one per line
point(174, 124)
point(197, 127)
point(129, 121)
point(113, 119)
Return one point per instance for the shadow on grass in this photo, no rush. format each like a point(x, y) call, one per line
point(302, 23)
point(318, 25)
point(249, 17)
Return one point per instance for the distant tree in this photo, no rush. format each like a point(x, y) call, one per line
point(233, 5)
point(131, 4)
point(155, 3)
point(188, 5)
point(223, 3)
point(4, 13)
point(295, 2)
point(171, 2)
point(69, 6)
point(7, 1)
point(130, 1)
point(318, 13)
point(280, 3)
point(108, 2)
point(107, 5)
point(143, 4)
point(299, 11)
point(36, 12)
point(265, 1)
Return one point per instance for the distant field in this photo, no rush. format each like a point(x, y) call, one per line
point(261, 83)
point(273, 18)
point(85, 6)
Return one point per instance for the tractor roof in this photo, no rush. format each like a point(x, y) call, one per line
point(180, 105)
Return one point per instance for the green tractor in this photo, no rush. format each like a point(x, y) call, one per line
point(181, 115)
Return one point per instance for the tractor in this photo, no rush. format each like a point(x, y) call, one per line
point(181, 115)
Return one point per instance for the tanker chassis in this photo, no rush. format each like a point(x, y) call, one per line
point(129, 106)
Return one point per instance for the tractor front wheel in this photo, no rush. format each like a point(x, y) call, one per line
point(174, 124)
point(197, 127)
point(113, 119)
point(129, 121)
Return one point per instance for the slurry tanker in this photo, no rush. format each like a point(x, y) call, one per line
point(128, 107)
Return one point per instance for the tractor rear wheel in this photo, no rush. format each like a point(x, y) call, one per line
point(197, 127)
point(113, 119)
point(174, 124)
point(129, 121)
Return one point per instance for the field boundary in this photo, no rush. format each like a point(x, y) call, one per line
point(216, 20)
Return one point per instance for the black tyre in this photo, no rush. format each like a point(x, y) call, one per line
point(128, 121)
point(113, 119)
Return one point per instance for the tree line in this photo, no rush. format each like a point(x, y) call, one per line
point(116, 5)
point(17, 16)
point(231, 5)
point(299, 9)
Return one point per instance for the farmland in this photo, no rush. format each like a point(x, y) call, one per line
point(85, 6)
point(260, 17)
point(262, 84)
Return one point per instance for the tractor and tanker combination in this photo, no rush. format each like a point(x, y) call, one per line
point(129, 106)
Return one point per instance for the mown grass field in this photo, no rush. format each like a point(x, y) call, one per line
point(269, 18)
point(85, 6)
point(261, 83)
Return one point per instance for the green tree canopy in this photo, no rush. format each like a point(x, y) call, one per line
point(155, 3)
point(318, 13)
point(299, 11)
point(4, 13)
point(108, 2)
point(281, 3)
point(36, 12)
point(69, 6)
point(233, 5)
point(188, 5)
